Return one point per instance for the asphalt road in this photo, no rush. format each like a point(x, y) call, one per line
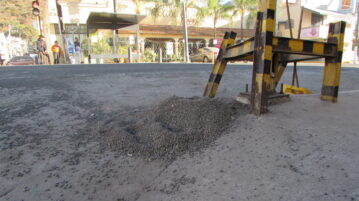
point(50, 120)
point(235, 75)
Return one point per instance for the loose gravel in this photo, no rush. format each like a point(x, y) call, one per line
point(173, 127)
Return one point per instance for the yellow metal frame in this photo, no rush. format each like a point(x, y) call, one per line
point(271, 54)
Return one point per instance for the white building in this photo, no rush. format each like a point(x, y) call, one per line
point(12, 46)
point(163, 31)
point(317, 15)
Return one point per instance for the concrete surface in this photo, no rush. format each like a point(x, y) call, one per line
point(305, 149)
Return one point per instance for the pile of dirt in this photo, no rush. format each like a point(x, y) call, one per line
point(171, 128)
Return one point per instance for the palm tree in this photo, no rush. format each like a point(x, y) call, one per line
point(241, 6)
point(138, 6)
point(216, 9)
point(156, 11)
point(173, 9)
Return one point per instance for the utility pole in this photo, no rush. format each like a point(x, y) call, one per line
point(185, 33)
point(114, 34)
point(61, 31)
point(355, 44)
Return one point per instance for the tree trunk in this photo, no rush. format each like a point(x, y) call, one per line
point(242, 18)
point(214, 28)
point(138, 10)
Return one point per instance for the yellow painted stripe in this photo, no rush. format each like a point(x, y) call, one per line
point(329, 98)
point(247, 47)
point(230, 41)
point(216, 67)
point(332, 74)
point(296, 45)
point(213, 91)
point(265, 4)
point(222, 67)
point(318, 48)
point(263, 79)
point(267, 80)
point(268, 52)
point(272, 4)
point(275, 41)
point(340, 38)
point(270, 25)
point(259, 81)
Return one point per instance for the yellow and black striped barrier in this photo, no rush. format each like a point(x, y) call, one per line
point(219, 65)
point(271, 54)
point(333, 65)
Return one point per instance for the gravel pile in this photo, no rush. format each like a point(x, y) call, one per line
point(171, 128)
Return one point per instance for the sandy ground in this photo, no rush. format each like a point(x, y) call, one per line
point(304, 149)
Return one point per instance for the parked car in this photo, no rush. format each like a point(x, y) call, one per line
point(21, 61)
point(205, 54)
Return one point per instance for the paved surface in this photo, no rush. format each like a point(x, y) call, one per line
point(309, 76)
point(305, 149)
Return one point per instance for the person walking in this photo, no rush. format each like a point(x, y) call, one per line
point(56, 51)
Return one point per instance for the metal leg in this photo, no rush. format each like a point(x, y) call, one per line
point(219, 66)
point(333, 66)
point(263, 56)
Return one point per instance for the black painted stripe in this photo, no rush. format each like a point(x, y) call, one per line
point(308, 46)
point(340, 56)
point(283, 43)
point(233, 35)
point(343, 25)
point(211, 77)
point(331, 28)
point(218, 78)
point(330, 91)
point(259, 16)
point(329, 48)
point(269, 38)
point(267, 66)
point(331, 60)
point(270, 14)
point(335, 60)
point(226, 35)
point(263, 68)
point(333, 40)
point(339, 27)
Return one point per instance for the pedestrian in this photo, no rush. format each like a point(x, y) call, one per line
point(56, 51)
point(78, 56)
point(77, 45)
point(1, 61)
point(41, 50)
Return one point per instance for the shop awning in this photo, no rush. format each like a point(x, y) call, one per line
point(113, 21)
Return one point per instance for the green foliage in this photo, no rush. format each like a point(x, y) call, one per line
point(122, 50)
point(17, 13)
point(173, 9)
point(176, 58)
point(149, 55)
point(101, 47)
point(242, 6)
point(215, 9)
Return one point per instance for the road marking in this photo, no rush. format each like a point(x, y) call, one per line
point(349, 91)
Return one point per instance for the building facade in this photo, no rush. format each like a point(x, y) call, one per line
point(157, 31)
point(317, 15)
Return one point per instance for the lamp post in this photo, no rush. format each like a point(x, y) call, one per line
point(185, 33)
point(114, 34)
